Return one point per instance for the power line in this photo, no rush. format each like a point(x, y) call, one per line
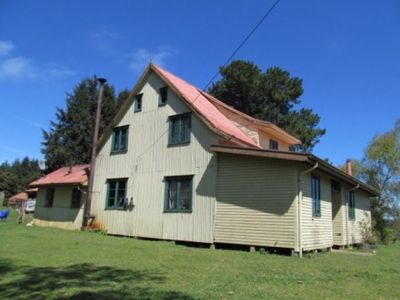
point(244, 41)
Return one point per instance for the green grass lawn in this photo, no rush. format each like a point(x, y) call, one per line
point(49, 263)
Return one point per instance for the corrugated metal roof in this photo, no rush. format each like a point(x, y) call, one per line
point(203, 106)
point(20, 196)
point(24, 195)
point(207, 108)
point(65, 176)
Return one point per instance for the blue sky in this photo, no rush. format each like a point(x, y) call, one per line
point(346, 52)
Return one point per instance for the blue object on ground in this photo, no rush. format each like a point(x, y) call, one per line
point(4, 215)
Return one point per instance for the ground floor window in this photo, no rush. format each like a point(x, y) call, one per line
point(178, 194)
point(352, 206)
point(76, 198)
point(49, 198)
point(316, 195)
point(116, 193)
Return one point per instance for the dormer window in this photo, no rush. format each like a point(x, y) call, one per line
point(163, 97)
point(273, 145)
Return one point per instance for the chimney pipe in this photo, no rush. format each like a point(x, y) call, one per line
point(348, 167)
point(94, 153)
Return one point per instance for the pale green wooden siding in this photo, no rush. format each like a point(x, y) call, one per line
point(316, 231)
point(363, 212)
point(338, 218)
point(255, 201)
point(148, 160)
point(61, 215)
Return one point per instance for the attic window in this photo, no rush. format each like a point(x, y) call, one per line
point(273, 145)
point(163, 97)
point(138, 102)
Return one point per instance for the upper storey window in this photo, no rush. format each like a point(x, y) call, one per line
point(120, 139)
point(163, 96)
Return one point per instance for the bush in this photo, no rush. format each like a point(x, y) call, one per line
point(367, 233)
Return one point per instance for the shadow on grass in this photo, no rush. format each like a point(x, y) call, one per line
point(81, 281)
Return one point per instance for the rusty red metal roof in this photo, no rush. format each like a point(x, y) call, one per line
point(20, 196)
point(24, 195)
point(65, 176)
point(195, 97)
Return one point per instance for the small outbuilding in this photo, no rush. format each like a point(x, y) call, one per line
point(61, 197)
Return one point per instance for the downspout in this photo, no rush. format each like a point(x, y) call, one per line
point(347, 213)
point(299, 208)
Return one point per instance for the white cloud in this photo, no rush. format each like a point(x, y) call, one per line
point(19, 68)
point(142, 57)
point(16, 68)
point(5, 47)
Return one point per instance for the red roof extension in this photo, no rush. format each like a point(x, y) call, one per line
point(64, 176)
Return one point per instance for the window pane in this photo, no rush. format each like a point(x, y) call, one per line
point(185, 129)
point(111, 193)
point(122, 141)
point(175, 131)
point(184, 194)
point(121, 193)
point(172, 194)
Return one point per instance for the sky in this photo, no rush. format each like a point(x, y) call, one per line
point(346, 52)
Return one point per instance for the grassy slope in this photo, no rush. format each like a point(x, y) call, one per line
point(49, 263)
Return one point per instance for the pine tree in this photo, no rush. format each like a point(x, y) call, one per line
point(69, 141)
point(269, 96)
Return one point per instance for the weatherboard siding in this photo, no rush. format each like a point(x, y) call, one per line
point(363, 213)
point(255, 201)
point(338, 218)
point(316, 231)
point(60, 215)
point(148, 160)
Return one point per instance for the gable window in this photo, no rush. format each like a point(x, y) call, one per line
point(178, 194)
point(179, 129)
point(316, 196)
point(116, 193)
point(273, 145)
point(163, 96)
point(352, 206)
point(48, 202)
point(76, 198)
point(138, 103)
point(120, 139)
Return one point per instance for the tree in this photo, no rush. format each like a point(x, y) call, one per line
point(15, 177)
point(70, 138)
point(268, 96)
point(380, 168)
